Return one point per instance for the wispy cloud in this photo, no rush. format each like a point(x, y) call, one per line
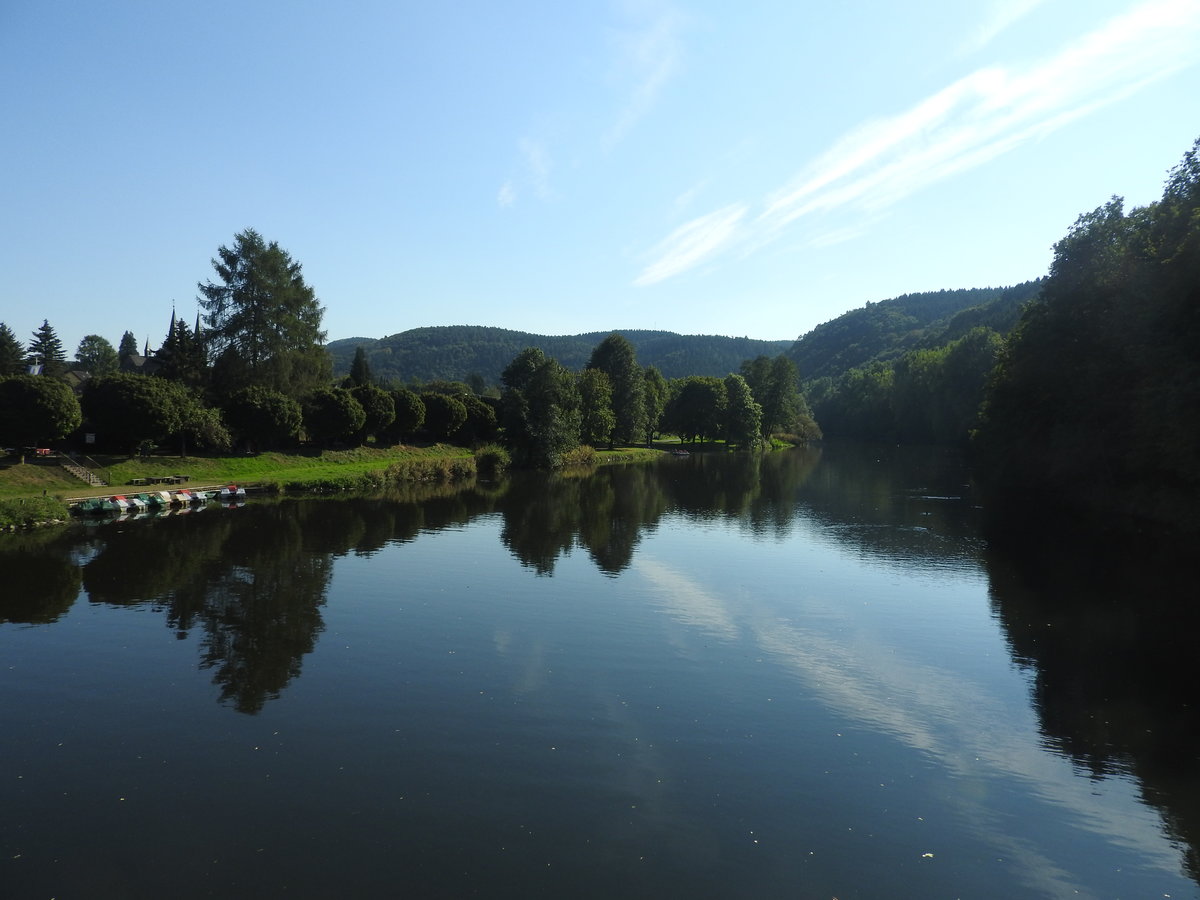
point(694, 242)
point(647, 57)
point(533, 175)
point(966, 124)
point(999, 16)
point(537, 166)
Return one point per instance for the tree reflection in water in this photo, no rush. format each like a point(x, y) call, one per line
point(1105, 628)
point(1107, 625)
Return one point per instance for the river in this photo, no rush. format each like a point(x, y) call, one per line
point(802, 675)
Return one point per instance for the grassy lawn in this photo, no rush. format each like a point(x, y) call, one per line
point(44, 476)
point(38, 476)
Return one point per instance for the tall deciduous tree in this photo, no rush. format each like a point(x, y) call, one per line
point(263, 320)
point(657, 392)
point(616, 357)
point(96, 356)
point(539, 408)
point(696, 408)
point(46, 350)
point(133, 410)
point(743, 415)
point(12, 353)
point(35, 411)
point(597, 417)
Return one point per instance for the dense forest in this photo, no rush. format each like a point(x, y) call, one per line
point(1095, 400)
point(462, 352)
point(911, 368)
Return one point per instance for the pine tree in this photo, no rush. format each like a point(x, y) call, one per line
point(128, 346)
point(46, 350)
point(12, 353)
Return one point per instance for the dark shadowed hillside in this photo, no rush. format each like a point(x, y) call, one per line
point(455, 352)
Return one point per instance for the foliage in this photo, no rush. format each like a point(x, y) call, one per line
point(742, 423)
point(616, 357)
point(12, 353)
point(128, 346)
point(775, 384)
point(481, 425)
point(360, 369)
point(96, 356)
point(696, 407)
point(1094, 399)
point(378, 406)
point(597, 419)
point(263, 320)
point(491, 460)
point(458, 352)
point(46, 349)
point(183, 356)
point(132, 410)
point(203, 427)
point(332, 414)
point(262, 417)
point(886, 330)
point(540, 409)
point(35, 410)
point(32, 511)
point(444, 415)
point(410, 415)
point(656, 392)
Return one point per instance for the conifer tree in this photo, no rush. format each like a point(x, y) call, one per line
point(46, 350)
point(12, 354)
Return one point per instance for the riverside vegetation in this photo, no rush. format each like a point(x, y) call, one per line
point(1079, 387)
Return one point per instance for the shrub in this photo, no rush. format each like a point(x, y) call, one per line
point(491, 460)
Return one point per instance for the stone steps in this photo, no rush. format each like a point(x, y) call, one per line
point(84, 474)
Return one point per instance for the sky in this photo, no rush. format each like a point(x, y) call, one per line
point(703, 167)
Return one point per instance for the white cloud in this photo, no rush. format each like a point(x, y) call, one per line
point(964, 125)
point(507, 195)
point(692, 243)
point(647, 58)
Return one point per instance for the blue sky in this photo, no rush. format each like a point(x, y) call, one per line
point(695, 166)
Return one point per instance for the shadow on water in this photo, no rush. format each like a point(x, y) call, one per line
point(1106, 625)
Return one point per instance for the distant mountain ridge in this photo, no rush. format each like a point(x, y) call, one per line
point(455, 352)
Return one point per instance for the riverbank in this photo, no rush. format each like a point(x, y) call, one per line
point(40, 491)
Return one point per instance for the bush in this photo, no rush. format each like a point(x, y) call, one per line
point(583, 455)
point(491, 460)
point(31, 511)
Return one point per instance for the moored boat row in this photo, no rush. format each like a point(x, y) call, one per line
point(158, 500)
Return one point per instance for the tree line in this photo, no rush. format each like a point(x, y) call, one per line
point(253, 373)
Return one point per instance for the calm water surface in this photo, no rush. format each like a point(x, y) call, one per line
point(806, 675)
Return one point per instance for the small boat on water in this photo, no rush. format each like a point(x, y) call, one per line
point(231, 493)
point(154, 501)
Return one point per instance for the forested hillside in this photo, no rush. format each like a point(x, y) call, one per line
point(1096, 399)
point(911, 368)
point(456, 352)
point(882, 332)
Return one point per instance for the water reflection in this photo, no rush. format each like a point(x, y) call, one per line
point(1107, 629)
point(1104, 631)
